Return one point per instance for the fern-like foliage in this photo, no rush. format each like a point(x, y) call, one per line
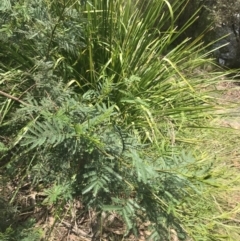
point(74, 148)
point(35, 29)
point(24, 232)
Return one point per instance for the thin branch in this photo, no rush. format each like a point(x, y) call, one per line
point(55, 28)
point(13, 98)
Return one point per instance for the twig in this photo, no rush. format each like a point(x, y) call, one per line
point(13, 98)
point(76, 231)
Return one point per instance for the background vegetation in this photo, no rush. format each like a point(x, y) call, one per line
point(106, 104)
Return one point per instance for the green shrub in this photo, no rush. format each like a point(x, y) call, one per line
point(24, 232)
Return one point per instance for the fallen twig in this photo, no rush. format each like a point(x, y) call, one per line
point(13, 98)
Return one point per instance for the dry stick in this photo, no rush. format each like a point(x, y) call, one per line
point(13, 98)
